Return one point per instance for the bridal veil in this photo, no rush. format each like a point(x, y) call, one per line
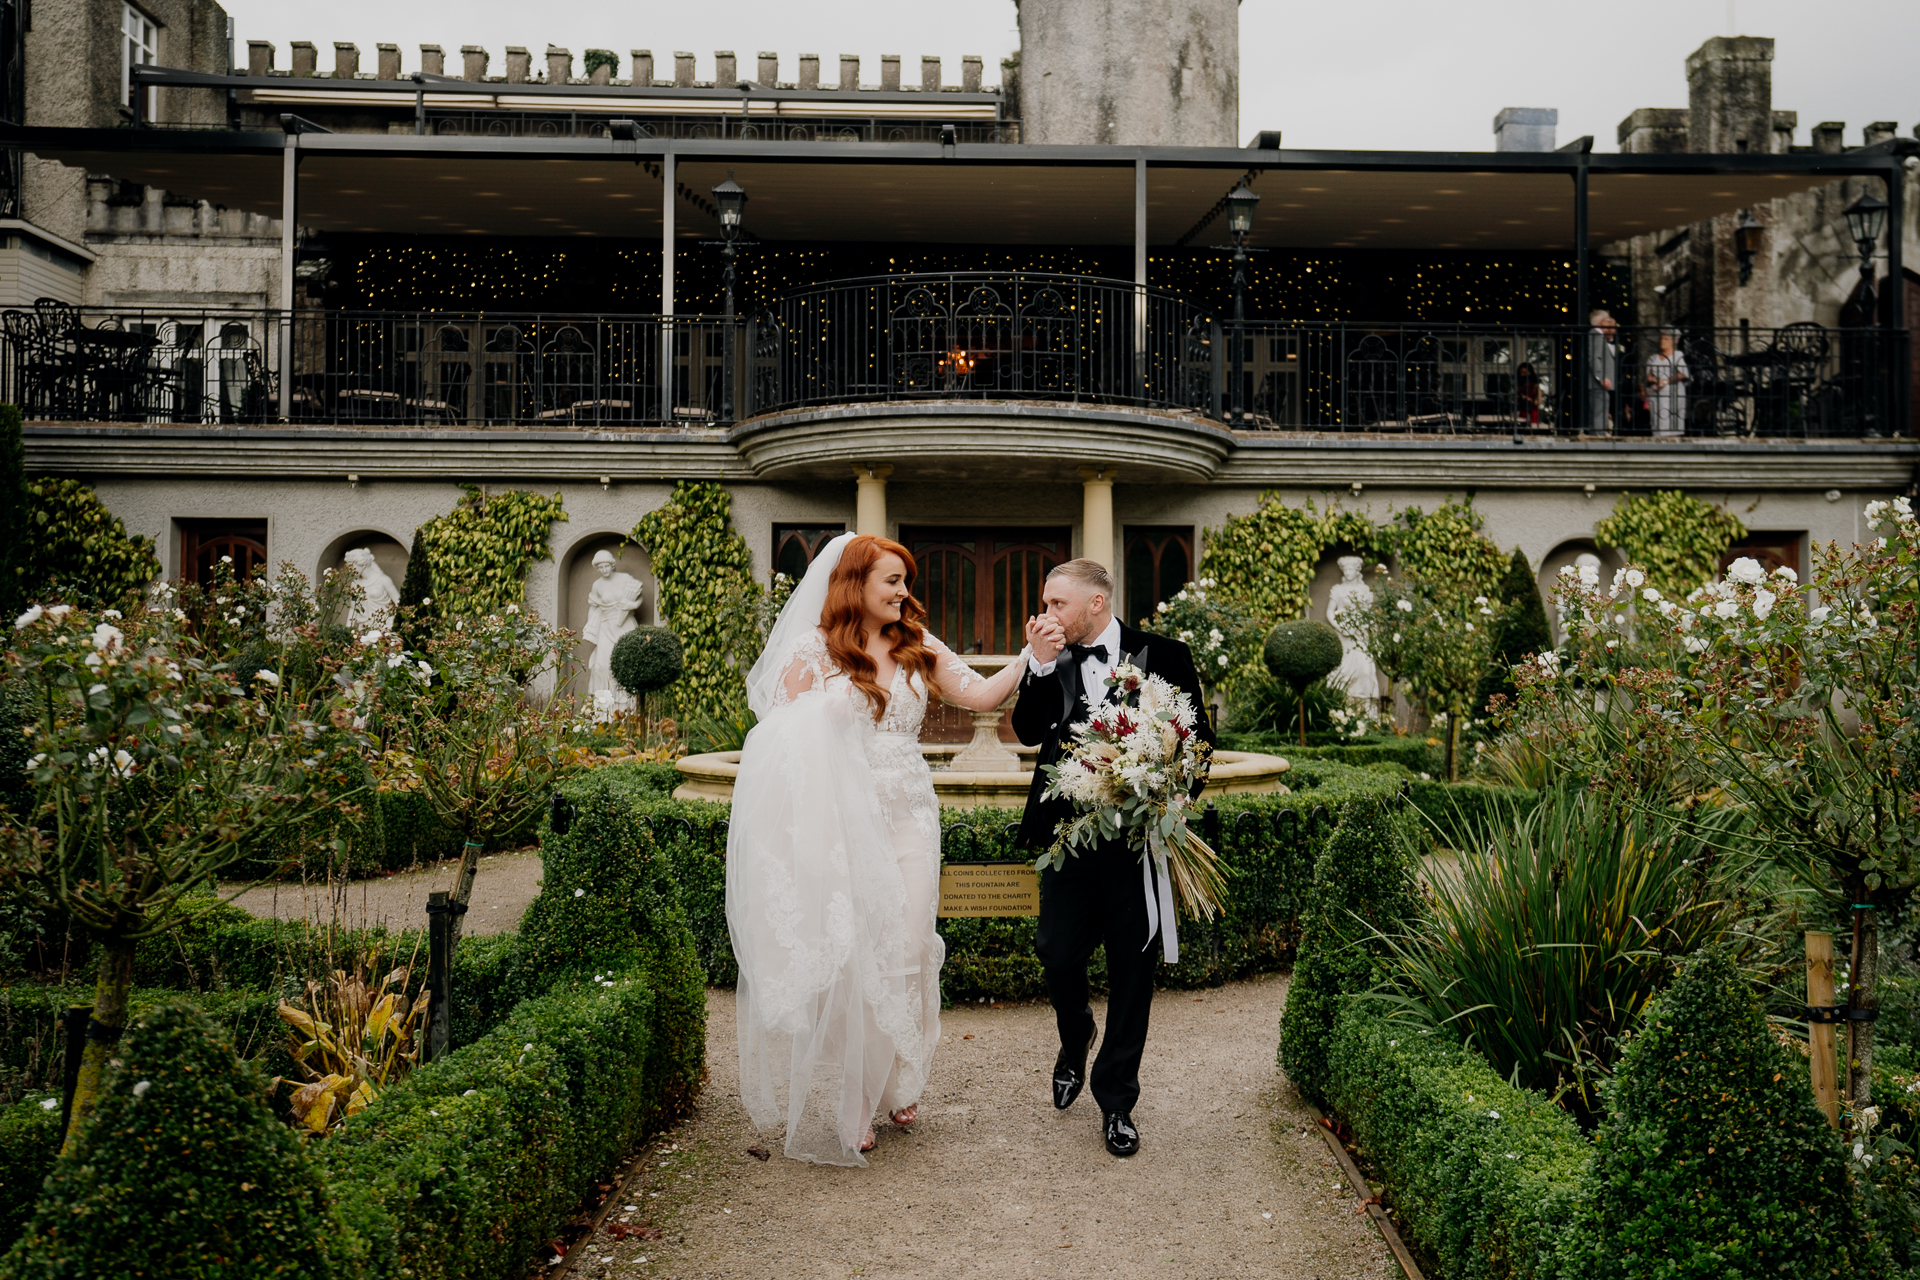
point(827, 1006)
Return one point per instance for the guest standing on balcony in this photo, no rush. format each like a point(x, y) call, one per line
point(833, 854)
point(1603, 367)
point(1526, 391)
point(1667, 387)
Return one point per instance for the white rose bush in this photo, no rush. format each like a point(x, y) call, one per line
point(159, 764)
point(1796, 704)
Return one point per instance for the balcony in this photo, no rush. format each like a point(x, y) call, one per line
point(1022, 341)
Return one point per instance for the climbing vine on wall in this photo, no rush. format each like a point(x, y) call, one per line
point(705, 573)
point(1265, 560)
point(77, 551)
point(1677, 539)
point(480, 551)
point(1446, 550)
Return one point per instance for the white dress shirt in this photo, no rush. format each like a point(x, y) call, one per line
point(1093, 672)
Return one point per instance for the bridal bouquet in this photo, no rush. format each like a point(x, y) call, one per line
point(1131, 772)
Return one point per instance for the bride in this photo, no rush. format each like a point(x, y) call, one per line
point(833, 854)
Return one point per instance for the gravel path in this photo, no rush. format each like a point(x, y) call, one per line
point(993, 1182)
point(502, 888)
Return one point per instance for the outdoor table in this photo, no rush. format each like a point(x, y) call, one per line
point(112, 364)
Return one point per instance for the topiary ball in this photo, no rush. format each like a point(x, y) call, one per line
point(647, 660)
point(1301, 652)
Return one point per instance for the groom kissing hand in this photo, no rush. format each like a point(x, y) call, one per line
point(1100, 895)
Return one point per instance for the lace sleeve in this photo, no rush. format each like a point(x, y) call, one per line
point(806, 670)
point(952, 675)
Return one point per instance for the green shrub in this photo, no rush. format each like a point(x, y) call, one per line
point(1521, 633)
point(647, 660)
point(609, 899)
point(1481, 1174)
point(1713, 1161)
point(1301, 651)
point(1414, 753)
point(597, 58)
point(32, 1051)
point(29, 1141)
point(479, 553)
point(182, 1170)
point(1362, 886)
point(77, 551)
point(460, 1172)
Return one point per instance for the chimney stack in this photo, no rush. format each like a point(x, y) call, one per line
point(682, 69)
point(890, 72)
point(642, 68)
point(346, 60)
point(849, 71)
point(1525, 129)
point(433, 59)
point(809, 71)
point(970, 73)
point(1880, 131)
point(389, 61)
point(519, 65)
point(768, 72)
point(559, 65)
point(259, 57)
point(929, 74)
point(726, 69)
point(306, 57)
point(1829, 137)
point(473, 61)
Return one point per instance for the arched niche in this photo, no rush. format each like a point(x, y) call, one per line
point(577, 577)
point(388, 552)
point(1565, 554)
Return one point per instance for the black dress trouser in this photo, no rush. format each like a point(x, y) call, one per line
point(1097, 898)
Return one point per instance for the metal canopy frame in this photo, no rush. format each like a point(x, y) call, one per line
point(135, 149)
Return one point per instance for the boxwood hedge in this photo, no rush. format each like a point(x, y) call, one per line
point(1268, 841)
point(1480, 1174)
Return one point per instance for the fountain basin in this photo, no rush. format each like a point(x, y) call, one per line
point(711, 777)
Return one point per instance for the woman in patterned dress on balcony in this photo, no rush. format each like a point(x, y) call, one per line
point(833, 854)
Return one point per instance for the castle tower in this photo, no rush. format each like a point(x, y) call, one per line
point(1130, 72)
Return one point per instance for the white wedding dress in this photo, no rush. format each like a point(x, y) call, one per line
point(833, 870)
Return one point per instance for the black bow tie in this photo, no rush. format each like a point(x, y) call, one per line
point(1080, 652)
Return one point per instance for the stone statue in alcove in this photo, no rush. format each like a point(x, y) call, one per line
point(610, 609)
point(1356, 673)
point(377, 591)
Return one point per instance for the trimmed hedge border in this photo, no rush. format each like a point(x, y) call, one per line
point(29, 1140)
point(1482, 1174)
point(1268, 841)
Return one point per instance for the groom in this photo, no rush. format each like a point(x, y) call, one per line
point(1101, 895)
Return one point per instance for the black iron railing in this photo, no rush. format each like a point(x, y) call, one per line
point(721, 125)
point(955, 337)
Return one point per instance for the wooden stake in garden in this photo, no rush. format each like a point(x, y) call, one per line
point(1826, 1088)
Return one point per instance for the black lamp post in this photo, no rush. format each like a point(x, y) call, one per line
point(1240, 206)
point(730, 202)
point(1865, 217)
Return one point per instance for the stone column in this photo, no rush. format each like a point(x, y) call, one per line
point(870, 502)
point(1096, 515)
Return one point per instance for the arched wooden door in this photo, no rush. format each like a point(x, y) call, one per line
point(203, 543)
point(980, 585)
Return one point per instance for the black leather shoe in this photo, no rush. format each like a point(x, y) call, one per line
point(1070, 1073)
point(1122, 1138)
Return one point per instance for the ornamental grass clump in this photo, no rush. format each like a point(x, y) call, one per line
point(181, 1170)
point(1713, 1161)
point(1559, 925)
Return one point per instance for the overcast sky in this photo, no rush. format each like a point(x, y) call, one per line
point(1390, 74)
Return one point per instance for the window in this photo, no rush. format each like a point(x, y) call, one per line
point(1159, 563)
point(204, 542)
point(795, 546)
point(981, 585)
point(140, 48)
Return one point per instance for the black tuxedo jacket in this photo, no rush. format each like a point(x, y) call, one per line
point(1041, 716)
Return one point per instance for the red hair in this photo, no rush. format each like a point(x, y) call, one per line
point(844, 620)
